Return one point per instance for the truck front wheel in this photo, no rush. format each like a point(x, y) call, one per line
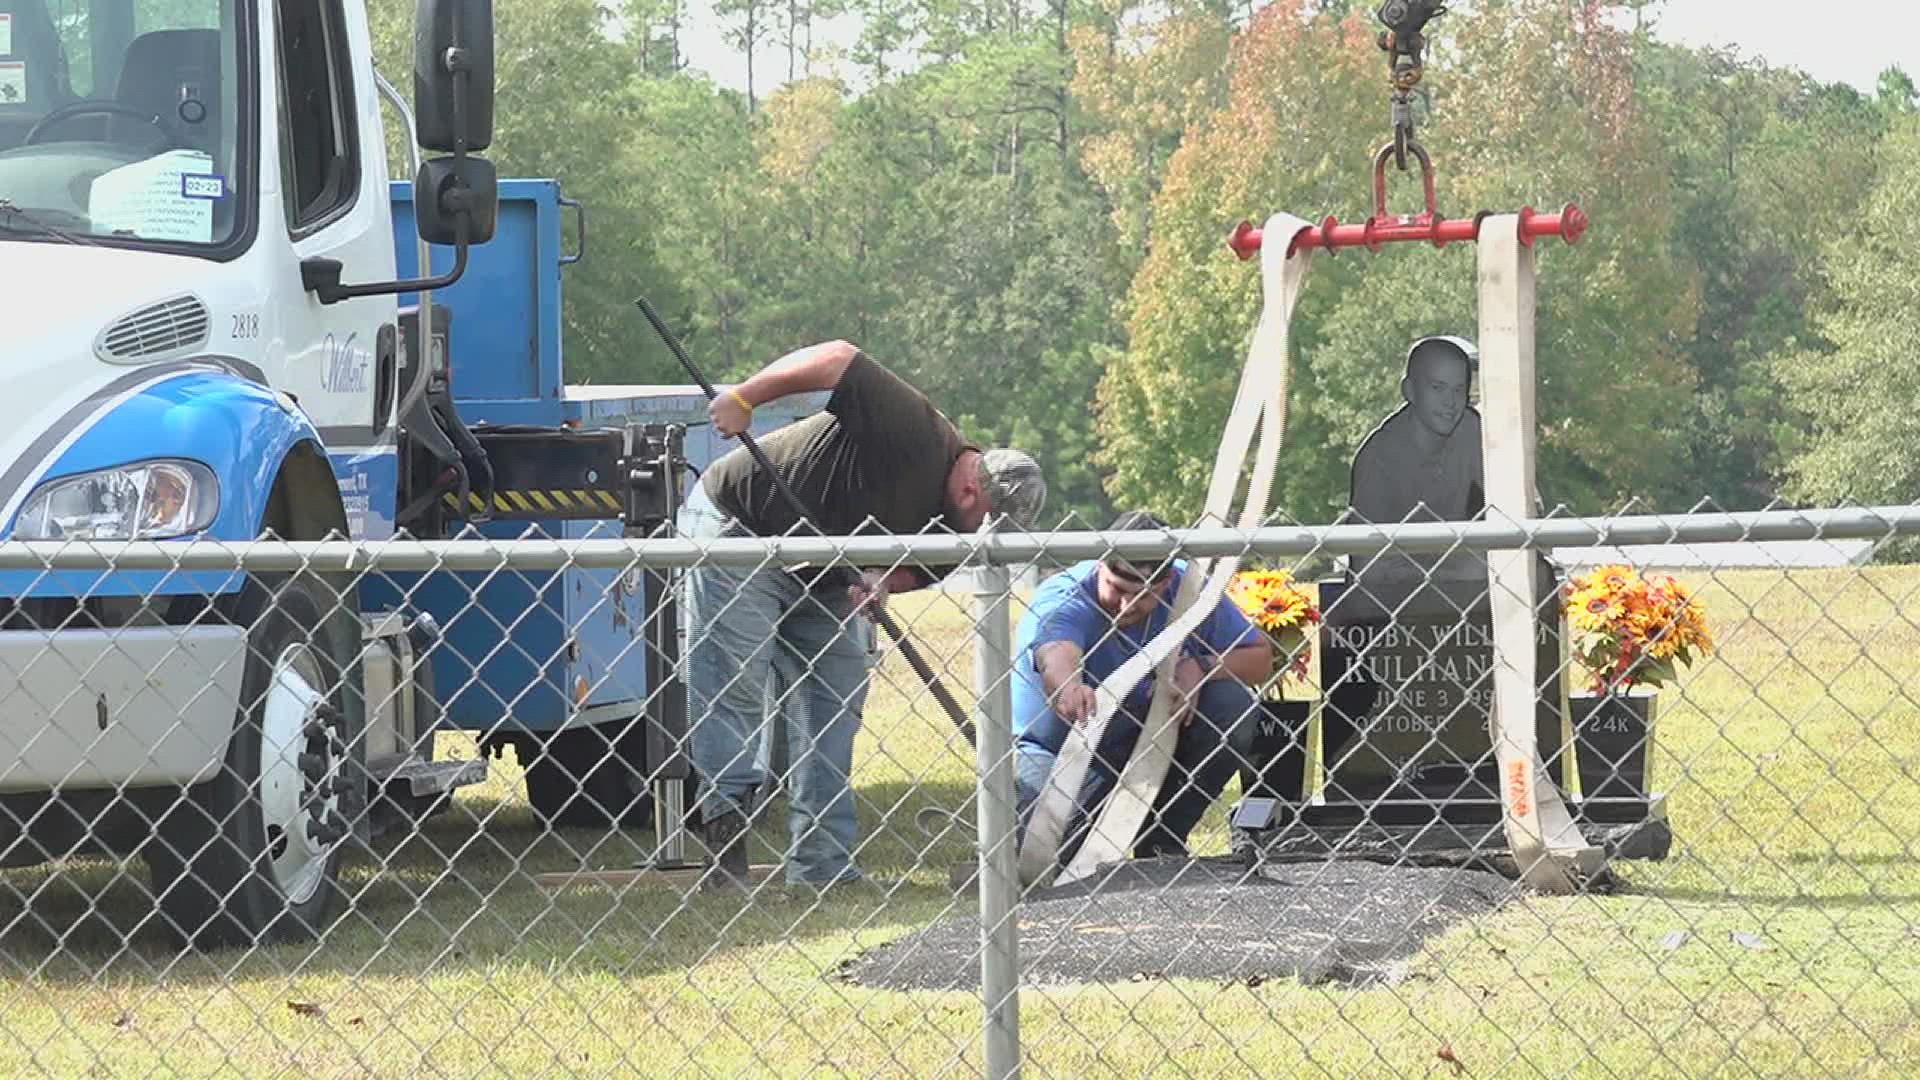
point(253, 854)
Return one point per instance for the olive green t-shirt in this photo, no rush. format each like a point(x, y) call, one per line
point(880, 450)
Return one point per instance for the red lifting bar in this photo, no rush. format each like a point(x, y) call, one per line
point(1384, 228)
point(1568, 224)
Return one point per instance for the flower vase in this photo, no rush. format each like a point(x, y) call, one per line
point(1613, 739)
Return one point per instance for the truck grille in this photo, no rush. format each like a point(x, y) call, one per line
point(157, 329)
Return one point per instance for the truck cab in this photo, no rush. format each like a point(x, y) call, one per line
point(210, 338)
point(166, 168)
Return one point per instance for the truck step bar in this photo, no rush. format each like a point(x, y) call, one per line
point(437, 777)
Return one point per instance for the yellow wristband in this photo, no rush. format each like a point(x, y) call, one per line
point(744, 403)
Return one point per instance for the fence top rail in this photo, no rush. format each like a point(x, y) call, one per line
point(1006, 548)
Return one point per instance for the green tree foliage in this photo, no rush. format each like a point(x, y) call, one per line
point(1895, 91)
point(1766, 165)
point(1023, 205)
point(1859, 384)
point(570, 99)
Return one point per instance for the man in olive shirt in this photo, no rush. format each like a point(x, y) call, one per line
point(880, 459)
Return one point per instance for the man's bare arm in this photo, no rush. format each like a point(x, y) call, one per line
point(1059, 664)
point(1251, 664)
point(874, 586)
point(904, 579)
point(815, 367)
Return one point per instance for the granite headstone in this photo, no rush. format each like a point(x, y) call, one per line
point(1406, 665)
point(1406, 644)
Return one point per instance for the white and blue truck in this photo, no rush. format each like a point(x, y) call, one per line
point(213, 296)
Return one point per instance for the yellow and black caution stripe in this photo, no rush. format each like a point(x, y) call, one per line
point(598, 503)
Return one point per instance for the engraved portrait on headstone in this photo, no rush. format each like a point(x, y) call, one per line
point(1423, 463)
point(1407, 635)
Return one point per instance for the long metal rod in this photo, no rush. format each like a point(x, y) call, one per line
point(387, 556)
point(999, 856)
point(907, 649)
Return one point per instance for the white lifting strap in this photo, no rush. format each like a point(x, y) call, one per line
point(1547, 846)
point(1261, 399)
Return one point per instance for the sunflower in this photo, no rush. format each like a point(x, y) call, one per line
point(1617, 578)
point(1271, 601)
point(1596, 608)
point(1632, 629)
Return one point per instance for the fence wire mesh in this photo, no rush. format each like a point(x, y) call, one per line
point(454, 807)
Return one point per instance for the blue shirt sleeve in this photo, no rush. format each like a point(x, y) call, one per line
point(1226, 628)
point(1061, 611)
point(1070, 619)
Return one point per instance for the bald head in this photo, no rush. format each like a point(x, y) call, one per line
point(1440, 356)
point(1439, 374)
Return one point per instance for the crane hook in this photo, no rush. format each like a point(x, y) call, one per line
point(1404, 41)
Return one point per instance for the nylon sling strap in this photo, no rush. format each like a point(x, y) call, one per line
point(1545, 842)
point(1260, 400)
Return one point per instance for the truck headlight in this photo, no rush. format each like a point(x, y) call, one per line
point(150, 501)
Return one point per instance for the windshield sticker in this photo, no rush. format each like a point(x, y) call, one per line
point(6, 35)
point(203, 186)
point(149, 198)
point(13, 82)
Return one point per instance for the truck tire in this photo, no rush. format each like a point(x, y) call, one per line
point(582, 778)
point(253, 854)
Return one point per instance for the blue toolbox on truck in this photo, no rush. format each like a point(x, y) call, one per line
point(539, 650)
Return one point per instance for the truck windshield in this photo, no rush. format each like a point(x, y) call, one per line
point(121, 120)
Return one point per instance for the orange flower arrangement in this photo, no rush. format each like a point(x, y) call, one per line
point(1271, 601)
point(1628, 629)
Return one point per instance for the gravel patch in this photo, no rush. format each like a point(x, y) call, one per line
point(1354, 923)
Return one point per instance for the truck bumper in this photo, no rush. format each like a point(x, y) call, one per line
point(84, 709)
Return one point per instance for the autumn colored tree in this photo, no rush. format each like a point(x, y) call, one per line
point(1527, 106)
point(1023, 205)
point(1143, 86)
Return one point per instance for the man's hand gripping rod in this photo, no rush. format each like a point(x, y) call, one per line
point(880, 615)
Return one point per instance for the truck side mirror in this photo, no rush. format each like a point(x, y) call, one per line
point(453, 74)
point(448, 189)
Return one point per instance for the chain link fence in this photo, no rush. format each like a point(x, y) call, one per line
point(327, 808)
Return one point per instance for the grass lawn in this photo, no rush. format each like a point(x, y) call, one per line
point(1789, 759)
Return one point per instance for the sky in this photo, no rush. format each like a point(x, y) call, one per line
point(1834, 41)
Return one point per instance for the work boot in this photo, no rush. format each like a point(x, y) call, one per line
point(725, 835)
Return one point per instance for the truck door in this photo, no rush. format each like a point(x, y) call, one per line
point(339, 357)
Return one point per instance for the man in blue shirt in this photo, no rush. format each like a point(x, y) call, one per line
point(1082, 624)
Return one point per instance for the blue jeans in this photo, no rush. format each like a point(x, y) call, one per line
point(1209, 751)
point(751, 628)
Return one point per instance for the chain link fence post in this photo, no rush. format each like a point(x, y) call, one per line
point(998, 872)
